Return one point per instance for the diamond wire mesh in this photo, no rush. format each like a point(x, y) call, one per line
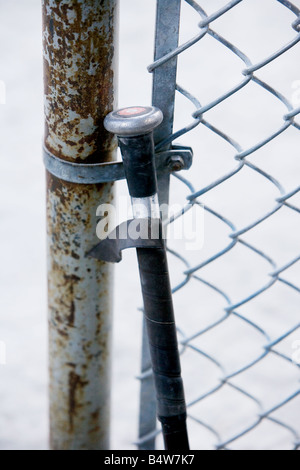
point(263, 411)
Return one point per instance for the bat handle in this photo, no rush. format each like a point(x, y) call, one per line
point(134, 128)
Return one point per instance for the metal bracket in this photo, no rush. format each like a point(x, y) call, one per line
point(176, 159)
point(83, 173)
point(110, 249)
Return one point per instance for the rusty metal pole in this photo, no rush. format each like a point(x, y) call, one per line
point(80, 89)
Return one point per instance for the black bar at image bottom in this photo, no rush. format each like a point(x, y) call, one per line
point(140, 459)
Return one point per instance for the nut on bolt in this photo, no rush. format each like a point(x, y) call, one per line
point(176, 163)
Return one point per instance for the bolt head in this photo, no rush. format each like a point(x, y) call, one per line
point(176, 163)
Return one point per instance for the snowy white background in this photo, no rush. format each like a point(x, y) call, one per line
point(256, 26)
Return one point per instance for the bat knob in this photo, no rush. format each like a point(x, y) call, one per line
point(133, 121)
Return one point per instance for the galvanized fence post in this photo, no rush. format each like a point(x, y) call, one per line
point(163, 97)
point(80, 80)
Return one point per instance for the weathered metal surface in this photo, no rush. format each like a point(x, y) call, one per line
point(79, 57)
point(80, 291)
point(83, 173)
point(79, 54)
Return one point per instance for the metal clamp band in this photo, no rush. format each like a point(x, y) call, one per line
point(83, 173)
point(97, 173)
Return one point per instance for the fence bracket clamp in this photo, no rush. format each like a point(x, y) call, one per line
point(177, 158)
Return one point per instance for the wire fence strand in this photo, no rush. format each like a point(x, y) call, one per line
point(268, 345)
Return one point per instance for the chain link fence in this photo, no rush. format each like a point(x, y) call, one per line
point(237, 299)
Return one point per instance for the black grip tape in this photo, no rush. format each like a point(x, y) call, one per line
point(175, 433)
point(139, 165)
point(162, 333)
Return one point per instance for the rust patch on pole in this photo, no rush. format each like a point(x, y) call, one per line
point(79, 56)
point(80, 89)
